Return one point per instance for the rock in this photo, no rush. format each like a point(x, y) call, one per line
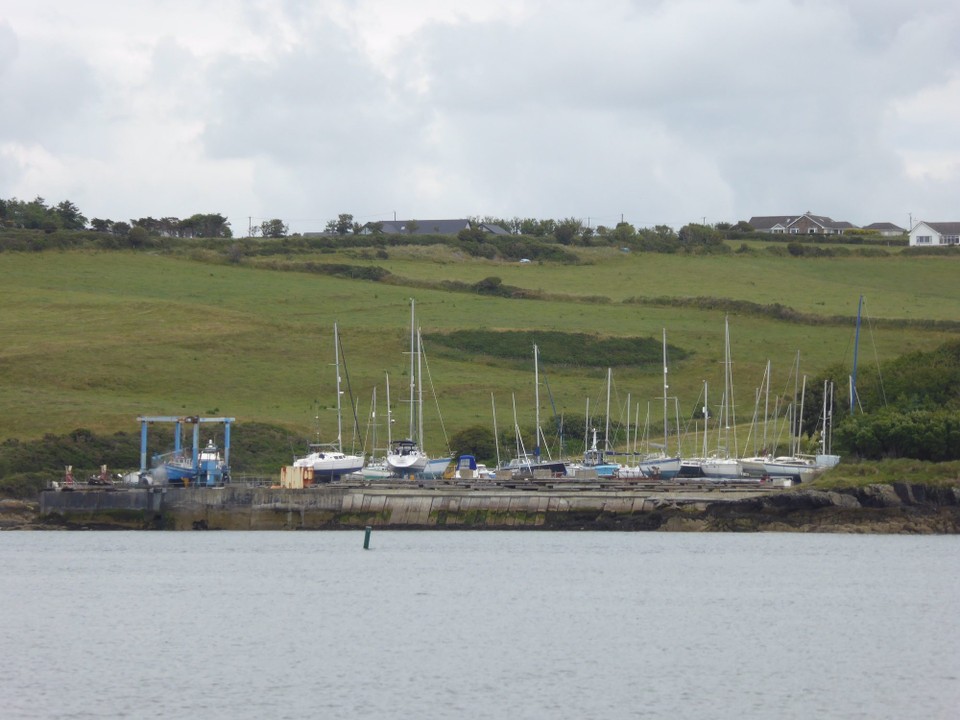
point(878, 496)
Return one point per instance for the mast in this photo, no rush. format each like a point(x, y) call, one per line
point(854, 400)
point(666, 427)
point(606, 429)
point(419, 392)
point(586, 427)
point(827, 416)
point(389, 413)
point(336, 362)
point(373, 416)
point(413, 380)
point(628, 421)
point(731, 408)
point(706, 418)
point(496, 437)
point(766, 407)
point(536, 395)
point(803, 394)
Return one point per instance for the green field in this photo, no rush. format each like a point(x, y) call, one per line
point(94, 339)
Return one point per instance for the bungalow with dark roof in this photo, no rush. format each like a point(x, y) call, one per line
point(935, 234)
point(805, 224)
point(428, 227)
point(885, 228)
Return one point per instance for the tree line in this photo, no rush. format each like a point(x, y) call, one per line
point(36, 214)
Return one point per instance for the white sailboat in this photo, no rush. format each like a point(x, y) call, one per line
point(329, 462)
point(376, 467)
point(405, 456)
point(721, 464)
point(794, 466)
point(658, 465)
point(524, 463)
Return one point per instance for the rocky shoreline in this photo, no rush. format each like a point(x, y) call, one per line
point(898, 508)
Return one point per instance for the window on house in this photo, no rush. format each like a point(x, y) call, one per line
point(923, 239)
point(794, 231)
point(811, 231)
point(950, 240)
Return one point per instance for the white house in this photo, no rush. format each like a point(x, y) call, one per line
point(935, 234)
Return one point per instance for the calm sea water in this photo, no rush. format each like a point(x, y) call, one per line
point(478, 625)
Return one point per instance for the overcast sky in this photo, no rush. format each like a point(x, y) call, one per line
point(662, 112)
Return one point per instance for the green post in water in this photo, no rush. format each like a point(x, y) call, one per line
point(366, 537)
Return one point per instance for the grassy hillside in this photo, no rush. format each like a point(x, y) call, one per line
point(94, 339)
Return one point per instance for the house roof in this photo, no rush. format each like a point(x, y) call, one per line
point(883, 226)
point(438, 227)
point(944, 228)
point(767, 222)
point(435, 227)
point(825, 222)
point(494, 229)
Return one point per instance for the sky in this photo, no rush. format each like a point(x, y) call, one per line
point(650, 111)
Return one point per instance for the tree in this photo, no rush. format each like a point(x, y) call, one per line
point(623, 234)
point(344, 223)
point(138, 236)
point(70, 217)
point(275, 228)
point(696, 234)
point(476, 440)
point(412, 227)
point(211, 225)
point(98, 225)
point(568, 231)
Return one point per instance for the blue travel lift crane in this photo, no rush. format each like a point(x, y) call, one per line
point(203, 467)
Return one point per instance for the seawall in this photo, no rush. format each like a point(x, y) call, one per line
point(898, 508)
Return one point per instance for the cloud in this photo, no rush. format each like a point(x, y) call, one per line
point(664, 112)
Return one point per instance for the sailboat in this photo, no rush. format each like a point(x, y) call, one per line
point(524, 463)
point(406, 456)
point(329, 462)
point(376, 467)
point(794, 466)
point(721, 464)
point(658, 465)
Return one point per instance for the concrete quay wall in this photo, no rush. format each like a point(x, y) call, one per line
point(897, 508)
point(330, 507)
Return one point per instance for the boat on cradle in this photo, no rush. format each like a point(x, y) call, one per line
point(658, 466)
point(467, 468)
point(525, 464)
point(797, 466)
point(436, 467)
point(594, 459)
point(376, 469)
point(178, 468)
point(718, 464)
point(405, 457)
point(328, 461)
